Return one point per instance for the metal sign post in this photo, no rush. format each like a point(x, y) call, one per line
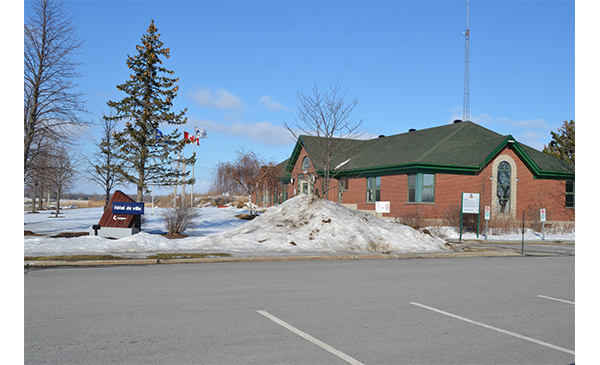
point(543, 220)
point(487, 219)
point(523, 236)
point(469, 205)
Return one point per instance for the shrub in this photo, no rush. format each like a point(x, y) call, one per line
point(178, 219)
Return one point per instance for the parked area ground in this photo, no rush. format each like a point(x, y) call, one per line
point(501, 310)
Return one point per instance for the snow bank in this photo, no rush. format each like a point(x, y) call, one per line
point(303, 224)
point(308, 224)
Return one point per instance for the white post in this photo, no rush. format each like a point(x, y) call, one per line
point(175, 195)
point(183, 185)
point(543, 232)
point(543, 219)
point(193, 168)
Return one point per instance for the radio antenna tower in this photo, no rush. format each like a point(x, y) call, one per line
point(467, 94)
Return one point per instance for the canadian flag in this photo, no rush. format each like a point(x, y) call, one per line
point(191, 138)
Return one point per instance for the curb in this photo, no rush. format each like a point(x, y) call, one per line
point(474, 253)
point(511, 242)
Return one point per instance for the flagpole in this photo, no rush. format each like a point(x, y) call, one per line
point(193, 168)
point(175, 194)
point(184, 170)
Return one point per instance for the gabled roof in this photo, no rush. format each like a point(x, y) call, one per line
point(459, 148)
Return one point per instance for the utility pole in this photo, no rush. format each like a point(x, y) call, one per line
point(467, 94)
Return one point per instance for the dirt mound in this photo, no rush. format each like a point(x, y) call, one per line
point(70, 234)
point(29, 233)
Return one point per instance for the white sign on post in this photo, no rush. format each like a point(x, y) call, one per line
point(470, 203)
point(487, 212)
point(542, 215)
point(382, 207)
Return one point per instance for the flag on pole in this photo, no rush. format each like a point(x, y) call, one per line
point(160, 137)
point(191, 138)
point(200, 133)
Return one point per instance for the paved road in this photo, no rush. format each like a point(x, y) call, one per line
point(509, 310)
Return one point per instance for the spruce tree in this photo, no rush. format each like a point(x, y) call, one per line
point(562, 145)
point(147, 154)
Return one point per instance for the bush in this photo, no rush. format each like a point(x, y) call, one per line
point(178, 219)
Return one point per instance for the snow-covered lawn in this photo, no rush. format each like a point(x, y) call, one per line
point(302, 225)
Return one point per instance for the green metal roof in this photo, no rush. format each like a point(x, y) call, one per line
point(458, 148)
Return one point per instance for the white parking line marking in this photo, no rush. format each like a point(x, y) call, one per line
point(497, 329)
point(559, 300)
point(311, 339)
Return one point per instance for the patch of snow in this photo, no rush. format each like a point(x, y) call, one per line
point(304, 224)
point(530, 235)
point(301, 225)
point(342, 164)
point(308, 224)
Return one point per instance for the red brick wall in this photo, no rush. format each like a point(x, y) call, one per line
point(532, 194)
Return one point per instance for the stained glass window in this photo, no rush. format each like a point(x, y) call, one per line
point(503, 190)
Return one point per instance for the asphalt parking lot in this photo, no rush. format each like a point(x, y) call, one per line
point(526, 248)
point(495, 310)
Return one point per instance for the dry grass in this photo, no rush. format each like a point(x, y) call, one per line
point(73, 258)
point(161, 256)
point(95, 204)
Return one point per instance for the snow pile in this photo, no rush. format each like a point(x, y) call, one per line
point(308, 224)
point(303, 224)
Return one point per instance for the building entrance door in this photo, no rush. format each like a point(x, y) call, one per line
point(304, 188)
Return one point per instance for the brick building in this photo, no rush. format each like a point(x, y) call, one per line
point(423, 173)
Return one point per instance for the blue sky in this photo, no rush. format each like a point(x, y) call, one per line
point(241, 64)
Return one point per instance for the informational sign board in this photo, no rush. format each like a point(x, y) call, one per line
point(470, 203)
point(542, 215)
point(487, 212)
point(128, 208)
point(122, 222)
point(382, 207)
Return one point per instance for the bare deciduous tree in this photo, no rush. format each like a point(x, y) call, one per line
point(103, 164)
point(62, 172)
point(38, 182)
point(328, 116)
point(52, 106)
point(245, 175)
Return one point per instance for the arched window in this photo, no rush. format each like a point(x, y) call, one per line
point(503, 187)
point(305, 163)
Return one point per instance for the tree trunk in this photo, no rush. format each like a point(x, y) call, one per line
point(57, 202)
point(140, 186)
point(33, 202)
point(106, 199)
